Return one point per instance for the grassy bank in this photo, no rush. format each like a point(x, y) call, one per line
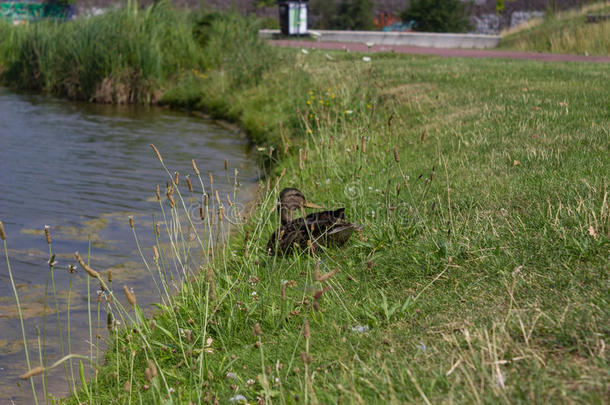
point(481, 273)
point(564, 32)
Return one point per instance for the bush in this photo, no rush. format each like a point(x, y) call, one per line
point(343, 15)
point(439, 15)
point(355, 15)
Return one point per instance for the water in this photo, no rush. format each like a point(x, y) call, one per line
point(82, 169)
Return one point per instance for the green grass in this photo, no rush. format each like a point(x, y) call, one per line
point(565, 32)
point(481, 274)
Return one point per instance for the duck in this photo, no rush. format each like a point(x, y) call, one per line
point(322, 228)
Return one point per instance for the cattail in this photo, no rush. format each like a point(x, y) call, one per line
point(211, 293)
point(110, 321)
point(32, 373)
point(396, 157)
point(221, 213)
point(201, 213)
point(155, 254)
point(85, 267)
point(176, 178)
point(311, 247)
point(2, 234)
point(109, 276)
point(300, 159)
point(211, 178)
point(157, 230)
point(131, 297)
point(47, 234)
point(363, 144)
point(323, 277)
point(257, 330)
point(319, 293)
point(226, 165)
point(306, 358)
point(171, 201)
point(131, 222)
point(152, 367)
point(150, 372)
point(189, 184)
point(157, 152)
point(229, 200)
point(195, 169)
point(306, 331)
point(158, 192)
point(206, 199)
point(217, 198)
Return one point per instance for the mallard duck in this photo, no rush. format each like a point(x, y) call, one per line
point(323, 228)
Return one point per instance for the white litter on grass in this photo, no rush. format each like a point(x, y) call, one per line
point(360, 328)
point(329, 57)
point(422, 346)
point(366, 59)
point(370, 44)
point(305, 51)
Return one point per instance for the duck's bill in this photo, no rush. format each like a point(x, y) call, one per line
point(312, 205)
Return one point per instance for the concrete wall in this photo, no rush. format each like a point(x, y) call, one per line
point(423, 39)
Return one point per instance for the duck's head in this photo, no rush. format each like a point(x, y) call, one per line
point(292, 199)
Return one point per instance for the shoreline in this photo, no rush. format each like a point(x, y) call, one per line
point(479, 234)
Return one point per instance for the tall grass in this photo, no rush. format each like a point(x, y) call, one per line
point(123, 56)
point(565, 32)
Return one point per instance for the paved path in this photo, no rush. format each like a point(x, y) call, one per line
point(451, 53)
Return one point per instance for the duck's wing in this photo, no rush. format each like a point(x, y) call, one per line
point(284, 239)
point(325, 217)
point(340, 233)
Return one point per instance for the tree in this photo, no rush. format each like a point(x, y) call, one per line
point(354, 15)
point(323, 13)
point(439, 15)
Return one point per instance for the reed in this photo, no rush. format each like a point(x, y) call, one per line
point(121, 56)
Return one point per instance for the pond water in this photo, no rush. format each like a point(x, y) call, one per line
point(83, 169)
